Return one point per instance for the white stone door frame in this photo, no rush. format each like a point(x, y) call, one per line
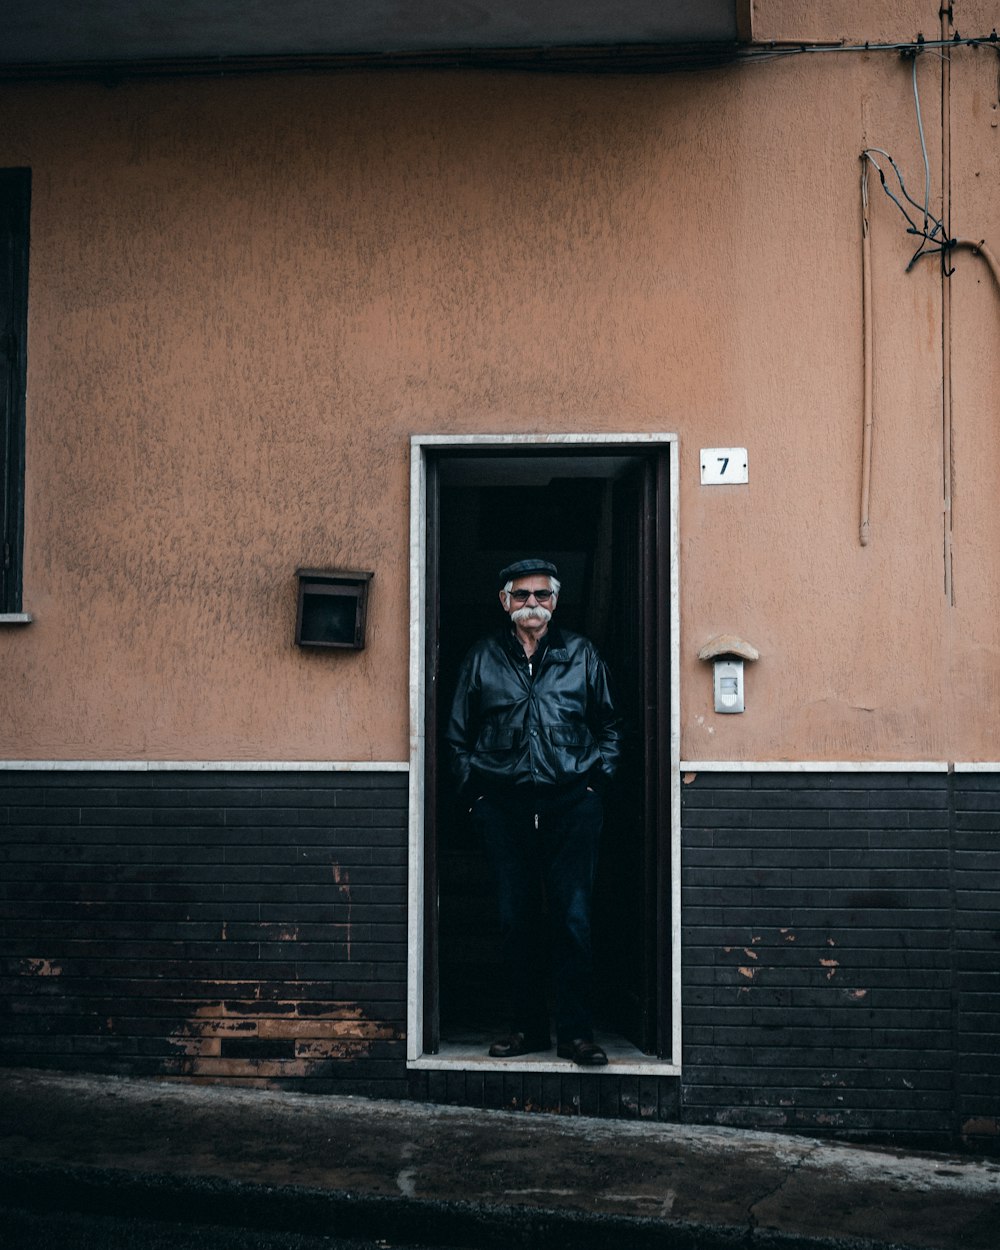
point(420, 446)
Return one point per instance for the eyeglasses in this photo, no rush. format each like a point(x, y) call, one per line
point(522, 596)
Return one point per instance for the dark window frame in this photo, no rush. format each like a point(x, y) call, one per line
point(15, 203)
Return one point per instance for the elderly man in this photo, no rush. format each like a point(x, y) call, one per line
point(534, 738)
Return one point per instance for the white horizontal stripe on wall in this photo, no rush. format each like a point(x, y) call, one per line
point(818, 766)
point(207, 766)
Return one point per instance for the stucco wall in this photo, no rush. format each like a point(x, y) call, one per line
point(247, 293)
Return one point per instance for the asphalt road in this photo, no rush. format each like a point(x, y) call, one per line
point(115, 1162)
point(57, 1230)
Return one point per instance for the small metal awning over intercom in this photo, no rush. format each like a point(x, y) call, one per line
point(727, 653)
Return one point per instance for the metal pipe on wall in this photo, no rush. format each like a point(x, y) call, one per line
point(867, 335)
point(979, 248)
point(948, 467)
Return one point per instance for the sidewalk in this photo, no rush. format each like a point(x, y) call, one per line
point(445, 1176)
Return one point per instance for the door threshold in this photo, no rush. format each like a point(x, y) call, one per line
point(470, 1055)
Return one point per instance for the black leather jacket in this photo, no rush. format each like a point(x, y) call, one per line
point(509, 728)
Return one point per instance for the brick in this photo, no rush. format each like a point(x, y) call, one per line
point(790, 781)
point(628, 1097)
point(717, 818)
point(810, 818)
point(25, 792)
point(973, 821)
point(589, 1094)
point(360, 836)
point(493, 1090)
point(28, 817)
point(696, 858)
point(255, 817)
point(984, 901)
point(717, 781)
point(609, 1099)
point(390, 819)
point(825, 799)
point(372, 798)
point(314, 795)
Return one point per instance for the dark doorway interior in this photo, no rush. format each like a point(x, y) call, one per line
point(594, 515)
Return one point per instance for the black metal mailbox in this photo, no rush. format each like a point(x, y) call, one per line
point(333, 608)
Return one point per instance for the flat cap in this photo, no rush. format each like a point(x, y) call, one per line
point(524, 568)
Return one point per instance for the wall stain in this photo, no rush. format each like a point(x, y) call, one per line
point(227, 1039)
point(41, 967)
point(981, 1126)
point(343, 884)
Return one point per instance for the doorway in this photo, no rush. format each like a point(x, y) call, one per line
point(602, 510)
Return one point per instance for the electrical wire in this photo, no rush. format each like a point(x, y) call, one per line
point(932, 232)
point(764, 52)
point(933, 237)
point(923, 145)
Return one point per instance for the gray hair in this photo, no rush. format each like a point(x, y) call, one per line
point(555, 585)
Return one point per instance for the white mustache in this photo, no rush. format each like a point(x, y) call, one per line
point(531, 613)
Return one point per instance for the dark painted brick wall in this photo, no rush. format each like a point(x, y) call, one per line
point(603, 1095)
point(977, 953)
point(247, 926)
point(840, 938)
point(840, 948)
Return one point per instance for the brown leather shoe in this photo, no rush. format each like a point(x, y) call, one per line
point(515, 1044)
point(587, 1054)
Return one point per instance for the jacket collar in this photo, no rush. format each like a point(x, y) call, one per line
point(555, 643)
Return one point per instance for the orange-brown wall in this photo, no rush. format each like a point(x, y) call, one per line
point(247, 293)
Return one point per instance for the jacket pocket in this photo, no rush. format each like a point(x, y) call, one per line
point(569, 735)
point(494, 738)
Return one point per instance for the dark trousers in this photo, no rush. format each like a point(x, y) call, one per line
point(554, 864)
